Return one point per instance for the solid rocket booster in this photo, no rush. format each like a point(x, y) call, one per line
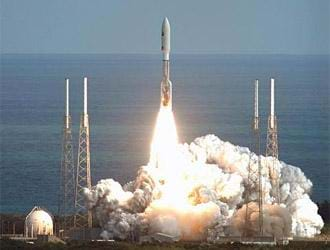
point(166, 85)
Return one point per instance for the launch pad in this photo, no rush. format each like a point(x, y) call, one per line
point(208, 191)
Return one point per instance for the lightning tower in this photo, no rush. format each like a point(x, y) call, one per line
point(67, 175)
point(83, 217)
point(272, 143)
point(254, 185)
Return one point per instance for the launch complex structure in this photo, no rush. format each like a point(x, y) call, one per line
point(254, 180)
point(72, 210)
point(83, 216)
point(272, 143)
point(67, 177)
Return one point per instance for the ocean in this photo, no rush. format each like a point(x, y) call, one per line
point(212, 94)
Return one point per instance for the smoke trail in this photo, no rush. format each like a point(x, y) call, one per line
point(196, 191)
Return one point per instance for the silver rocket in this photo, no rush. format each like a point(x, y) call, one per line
point(166, 85)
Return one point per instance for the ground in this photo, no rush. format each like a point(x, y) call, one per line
point(321, 241)
point(11, 245)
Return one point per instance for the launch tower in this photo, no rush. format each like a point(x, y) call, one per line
point(254, 185)
point(272, 143)
point(67, 175)
point(83, 217)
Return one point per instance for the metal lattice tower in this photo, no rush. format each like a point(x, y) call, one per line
point(254, 183)
point(83, 216)
point(272, 143)
point(67, 175)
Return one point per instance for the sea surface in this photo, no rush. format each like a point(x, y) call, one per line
point(212, 94)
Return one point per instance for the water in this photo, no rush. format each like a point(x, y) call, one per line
point(212, 94)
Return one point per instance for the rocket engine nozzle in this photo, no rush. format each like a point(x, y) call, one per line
point(166, 93)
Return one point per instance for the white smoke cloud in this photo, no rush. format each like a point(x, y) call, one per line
point(202, 197)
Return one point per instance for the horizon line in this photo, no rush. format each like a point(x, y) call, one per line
point(148, 53)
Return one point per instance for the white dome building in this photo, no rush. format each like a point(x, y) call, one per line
point(38, 221)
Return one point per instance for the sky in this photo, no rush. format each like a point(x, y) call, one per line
point(134, 26)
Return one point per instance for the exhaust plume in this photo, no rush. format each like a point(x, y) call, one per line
point(196, 192)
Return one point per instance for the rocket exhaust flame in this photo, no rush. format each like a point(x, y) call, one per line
point(199, 194)
point(165, 140)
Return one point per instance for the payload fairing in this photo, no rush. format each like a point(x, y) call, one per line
point(166, 85)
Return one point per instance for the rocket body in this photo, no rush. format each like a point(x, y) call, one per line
point(166, 90)
point(166, 85)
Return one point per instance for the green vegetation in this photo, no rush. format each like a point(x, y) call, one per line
point(326, 230)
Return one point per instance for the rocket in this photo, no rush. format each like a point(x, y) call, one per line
point(166, 85)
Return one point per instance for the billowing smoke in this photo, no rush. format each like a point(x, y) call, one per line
point(197, 192)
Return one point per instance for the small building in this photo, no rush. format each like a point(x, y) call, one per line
point(38, 222)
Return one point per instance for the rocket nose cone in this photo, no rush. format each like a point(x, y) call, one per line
point(166, 26)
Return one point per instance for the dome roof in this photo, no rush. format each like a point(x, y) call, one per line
point(39, 221)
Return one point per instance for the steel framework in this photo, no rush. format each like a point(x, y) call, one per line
point(67, 175)
point(254, 191)
point(272, 144)
point(272, 150)
point(83, 216)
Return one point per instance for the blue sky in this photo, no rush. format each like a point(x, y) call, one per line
point(133, 26)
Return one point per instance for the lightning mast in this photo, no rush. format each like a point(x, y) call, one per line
point(254, 184)
point(67, 175)
point(272, 143)
point(83, 217)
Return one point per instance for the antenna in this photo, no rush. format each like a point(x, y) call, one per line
point(85, 95)
point(256, 106)
point(67, 102)
point(272, 102)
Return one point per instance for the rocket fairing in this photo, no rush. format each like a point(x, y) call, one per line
point(166, 85)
